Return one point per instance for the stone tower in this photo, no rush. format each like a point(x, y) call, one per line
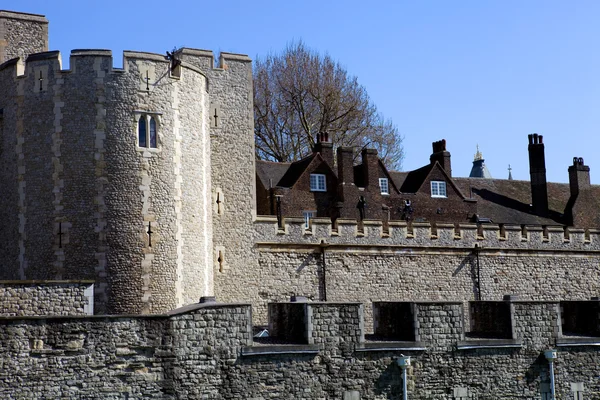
point(22, 34)
point(106, 175)
point(233, 172)
point(140, 178)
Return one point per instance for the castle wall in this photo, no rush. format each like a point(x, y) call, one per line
point(10, 120)
point(22, 34)
point(38, 298)
point(371, 265)
point(232, 168)
point(92, 203)
point(206, 351)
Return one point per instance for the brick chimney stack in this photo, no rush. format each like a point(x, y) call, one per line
point(325, 147)
point(441, 155)
point(370, 165)
point(345, 164)
point(537, 170)
point(579, 176)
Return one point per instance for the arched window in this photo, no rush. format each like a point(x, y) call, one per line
point(142, 135)
point(152, 132)
point(147, 128)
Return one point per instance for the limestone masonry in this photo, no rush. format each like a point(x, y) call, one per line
point(128, 194)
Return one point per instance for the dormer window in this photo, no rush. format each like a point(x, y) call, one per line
point(147, 131)
point(384, 186)
point(438, 189)
point(317, 183)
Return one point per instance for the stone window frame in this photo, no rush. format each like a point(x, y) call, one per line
point(148, 116)
point(384, 185)
point(437, 187)
point(308, 215)
point(318, 183)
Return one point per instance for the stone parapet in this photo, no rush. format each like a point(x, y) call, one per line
point(206, 351)
point(46, 298)
point(399, 233)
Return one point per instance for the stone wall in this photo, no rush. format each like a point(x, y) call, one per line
point(31, 298)
point(233, 171)
point(85, 201)
point(22, 34)
point(206, 351)
point(439, 263)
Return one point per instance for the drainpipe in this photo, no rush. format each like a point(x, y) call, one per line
point(323, 246)
point(404, 363)
point(476, 250)
point(551, 355)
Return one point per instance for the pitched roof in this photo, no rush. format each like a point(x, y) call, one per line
point(414, 179)
point(508, 201)
point(294, 171)
point(270, 172)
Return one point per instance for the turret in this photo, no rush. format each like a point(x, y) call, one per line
point(479, 169)
point(22, 34)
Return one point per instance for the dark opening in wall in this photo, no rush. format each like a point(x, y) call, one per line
point(490, 320)
point(580, 318)
point(287, 323)
point(394, 321)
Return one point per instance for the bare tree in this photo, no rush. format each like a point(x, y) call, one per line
point(300, 93)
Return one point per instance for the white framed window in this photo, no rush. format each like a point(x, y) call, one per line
point(384, 186)
point(308, 215)
point(147, 130)
point(438, 189)
point(317, 183)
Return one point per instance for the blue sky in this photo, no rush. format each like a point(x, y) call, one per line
point(471, 72)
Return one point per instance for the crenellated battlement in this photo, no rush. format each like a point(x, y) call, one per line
point(22, 68)
point(401, 233)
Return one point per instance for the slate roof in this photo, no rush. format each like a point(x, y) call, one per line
point(294, 171)
point(508, 201)
point(414, 179)
point(269, 171)
point(504, 201)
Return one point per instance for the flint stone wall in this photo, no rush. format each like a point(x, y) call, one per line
point(22, 34)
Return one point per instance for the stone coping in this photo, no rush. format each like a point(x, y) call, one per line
point(280, 349)
point(46, 282)
point(488, 344)
point(9, 63)
point(389, 346)
point(23, 16)
point(321, 303)
point(424, 302)
point(46, 55)
point(578, 341)
point(414, 248)
point(91, 52)
point(175, 312)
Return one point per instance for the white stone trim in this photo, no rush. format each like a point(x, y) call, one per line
point(21, 179)
point(179, 295)
point(101, 181)
point(58, 181)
